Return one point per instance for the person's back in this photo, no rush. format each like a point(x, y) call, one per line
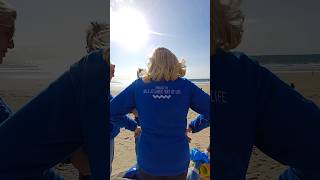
point(251, 106)
point(163, 107)
point(266, 112)
point(162, 98)
point(232, 109)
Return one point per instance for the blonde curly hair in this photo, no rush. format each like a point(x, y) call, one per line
point(226, 24)
point(164, 65)
point(98, 36)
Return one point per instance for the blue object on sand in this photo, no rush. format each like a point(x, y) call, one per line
point(199, 156)
point(132, 173)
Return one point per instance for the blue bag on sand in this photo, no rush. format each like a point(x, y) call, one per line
point(198, 157)
point(132, 173)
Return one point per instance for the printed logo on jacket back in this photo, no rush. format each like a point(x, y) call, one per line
point(162, 92)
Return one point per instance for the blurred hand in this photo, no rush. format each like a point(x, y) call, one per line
point(189, 139)
point(135, 113)
point(137, 132)
point(80, 160)
point(188, 131)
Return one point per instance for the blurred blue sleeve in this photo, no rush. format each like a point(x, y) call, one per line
point(200, 103)
point(199, 123)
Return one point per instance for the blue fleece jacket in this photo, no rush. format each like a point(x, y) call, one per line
point(251, 106)
point(72, 112)
point(163, 148)
point(199, 123)
point(114, 130)
point(124, 121)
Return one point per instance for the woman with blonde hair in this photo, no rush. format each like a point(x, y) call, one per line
point(162, 98)
point(251, 106)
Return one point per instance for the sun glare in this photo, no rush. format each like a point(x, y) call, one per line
point(128, 28)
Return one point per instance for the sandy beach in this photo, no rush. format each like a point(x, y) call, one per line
point(18, 91)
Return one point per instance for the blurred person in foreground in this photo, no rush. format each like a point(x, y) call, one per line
point(71, 113)
point(252, 106)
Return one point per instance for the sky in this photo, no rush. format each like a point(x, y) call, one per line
point(281, 27)
point(179, 25)
point(51, 34)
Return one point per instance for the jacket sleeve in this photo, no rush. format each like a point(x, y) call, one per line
point(125, 122)
point(200, 103)
point(121, 105)
point(287, 123)
point(199, 123)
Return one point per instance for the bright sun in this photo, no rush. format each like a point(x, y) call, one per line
point(128, 28)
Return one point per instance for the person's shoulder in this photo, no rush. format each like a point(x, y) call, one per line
point(94, 58)
point(183, 80)
point(186, 82)
point(137, 82)
point(235, 57)
point(96, 55)
point(242, 57)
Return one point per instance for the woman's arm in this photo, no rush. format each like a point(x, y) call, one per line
point(200, 103)
point(121, 105)
point(124, 122)
point(199, 123)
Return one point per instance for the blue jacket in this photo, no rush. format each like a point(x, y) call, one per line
point(199, 123)
point(251, 106)
point(163, 148)
point(114, 130)
point(124, 121)
point(72, 112)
